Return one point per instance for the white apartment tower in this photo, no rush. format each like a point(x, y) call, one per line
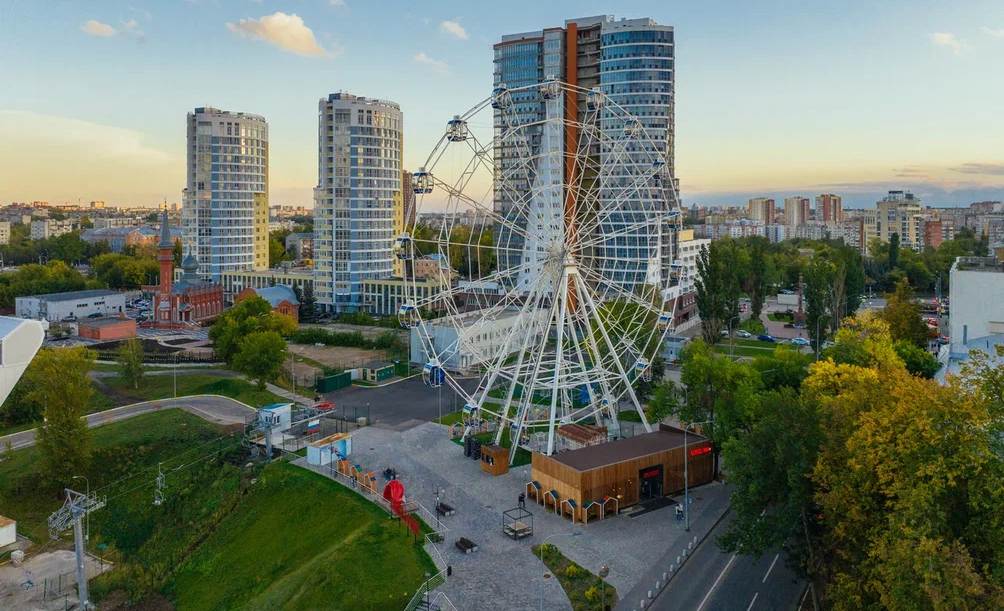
point(225, 211)
point(796, 211)
point(358, 200)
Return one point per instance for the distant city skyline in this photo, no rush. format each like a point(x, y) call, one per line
point(854, 98)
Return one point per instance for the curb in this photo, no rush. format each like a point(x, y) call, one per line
point(670, 574)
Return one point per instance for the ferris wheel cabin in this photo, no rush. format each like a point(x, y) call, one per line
point(403, 247)
point(549, 89)
point(408, 316)
point(422, 181)
point(456, 129)
point(643, 369)
point(594, 100)
point(433, 374)
point(501, 97)
point(665, 319)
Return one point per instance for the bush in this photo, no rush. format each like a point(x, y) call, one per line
point(572, 571)
point(592, 594)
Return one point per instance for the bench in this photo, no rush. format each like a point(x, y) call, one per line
point(445, 510)
point(466, 545)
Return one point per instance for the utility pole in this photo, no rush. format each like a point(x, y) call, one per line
point(74, 509)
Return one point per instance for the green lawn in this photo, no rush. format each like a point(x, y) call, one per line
point(162, 387)
point(119, 448)
point(302, 541)
point(584, 589)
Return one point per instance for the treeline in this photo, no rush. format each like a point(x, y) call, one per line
point(889, 262)
point(833, 275)
point(389, 341)
point(68, 247)
point(883, 487)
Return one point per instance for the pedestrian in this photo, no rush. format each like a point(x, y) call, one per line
point(522, 500)
point(679, 512)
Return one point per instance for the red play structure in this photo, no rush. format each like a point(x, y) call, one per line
point(394, 493)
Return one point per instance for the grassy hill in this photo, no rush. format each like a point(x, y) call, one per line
point(302, 542)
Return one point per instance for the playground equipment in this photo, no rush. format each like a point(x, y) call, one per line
point(393, 492)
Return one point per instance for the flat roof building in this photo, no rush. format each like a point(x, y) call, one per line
point(71, 305)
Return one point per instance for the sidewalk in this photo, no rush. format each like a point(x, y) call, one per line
point(285, 394)
point(704, 515)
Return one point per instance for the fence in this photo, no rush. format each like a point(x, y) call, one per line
point(64, 585)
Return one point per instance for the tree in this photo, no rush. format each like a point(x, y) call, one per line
point(818, 294)
point(893, 251)
point(665, 401)
point(245, 317)
point(58, 380)
point(918, 361)
point(770, 470)
point(260, 356)
point(130, 362)
point(786, 367)
point(716, 389)
point(902, 314)
point(717, 289)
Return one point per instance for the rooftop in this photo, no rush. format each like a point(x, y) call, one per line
point(75, 295)
point(105, 321)
point(978, 264)
point(630, 448)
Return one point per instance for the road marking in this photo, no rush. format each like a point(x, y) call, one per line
point(715, 585)
point(755, 594)
point(771, 568)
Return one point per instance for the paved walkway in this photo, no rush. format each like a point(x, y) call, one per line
point(214, 408)
point(504, 574)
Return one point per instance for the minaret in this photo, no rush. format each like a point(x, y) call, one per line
point(165, 255)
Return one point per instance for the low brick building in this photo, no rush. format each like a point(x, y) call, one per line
point(106, 329)
point(282, 298)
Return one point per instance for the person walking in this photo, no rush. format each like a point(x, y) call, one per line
point(522, 500)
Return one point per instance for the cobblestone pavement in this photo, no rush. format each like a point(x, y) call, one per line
point(504, 574)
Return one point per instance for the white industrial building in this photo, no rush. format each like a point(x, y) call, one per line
point(73, 305)
point(464, 341)
point(976, 299)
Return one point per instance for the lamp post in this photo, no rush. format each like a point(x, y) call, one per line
point(686, 474)
point(87, 517)
point(574, 533)
point(604, 571)
point(732, 339)
point(175, 375)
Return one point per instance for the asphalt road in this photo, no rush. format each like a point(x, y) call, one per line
point(712, 580)
point(220, 410)
point(401, 405)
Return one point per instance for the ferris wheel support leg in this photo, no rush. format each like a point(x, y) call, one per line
point(620, 366)
point(558, 351)
point(589, 333)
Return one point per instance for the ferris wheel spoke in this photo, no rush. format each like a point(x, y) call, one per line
point(478, 206)
point(625, 231)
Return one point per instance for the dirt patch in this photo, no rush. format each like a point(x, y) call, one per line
point(338, 356)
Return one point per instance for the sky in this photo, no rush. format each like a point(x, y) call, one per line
point(773, 98)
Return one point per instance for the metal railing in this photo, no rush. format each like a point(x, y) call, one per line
point(424, 592)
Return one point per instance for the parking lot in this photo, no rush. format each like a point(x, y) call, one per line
point(401, 405)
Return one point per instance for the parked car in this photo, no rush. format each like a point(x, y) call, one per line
point(95, 315)
point(800, 341)
point(744, 334)
point(725, 332)
point(766, 338)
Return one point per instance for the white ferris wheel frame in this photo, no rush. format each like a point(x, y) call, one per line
point(595, 350)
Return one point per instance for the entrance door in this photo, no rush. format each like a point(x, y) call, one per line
point(650, 479)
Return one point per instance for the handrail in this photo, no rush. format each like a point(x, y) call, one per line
point(423, 590)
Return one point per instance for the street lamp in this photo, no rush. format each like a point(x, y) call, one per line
point(732, 339)
point(686, 474)
point(604, 571)
point(87, 516)
point(574, 533)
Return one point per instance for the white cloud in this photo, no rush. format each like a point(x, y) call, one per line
point(948, 40)
point(995, 32)
point(338, 3)
point(435, 64)
point(93, 27)
point(287, 32)
point(453, 28)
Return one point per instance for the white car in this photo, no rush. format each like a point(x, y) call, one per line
point(744, 334)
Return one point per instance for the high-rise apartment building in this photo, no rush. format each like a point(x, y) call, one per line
point(796, 211)
point(358, 200)
point(630, 61)
point(897, 213)
point(761, 209)
point(829, 208)
point(225, 210)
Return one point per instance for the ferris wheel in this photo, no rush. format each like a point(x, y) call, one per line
point(551, 269)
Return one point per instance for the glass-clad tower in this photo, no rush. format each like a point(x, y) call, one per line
point(631, 62)
point(225, 212)
point(358, 203)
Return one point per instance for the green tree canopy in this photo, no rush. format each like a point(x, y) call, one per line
point(58, 380)
point(260, 356)
point(244, 318)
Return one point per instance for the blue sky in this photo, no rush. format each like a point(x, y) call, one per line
point(773, 98)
